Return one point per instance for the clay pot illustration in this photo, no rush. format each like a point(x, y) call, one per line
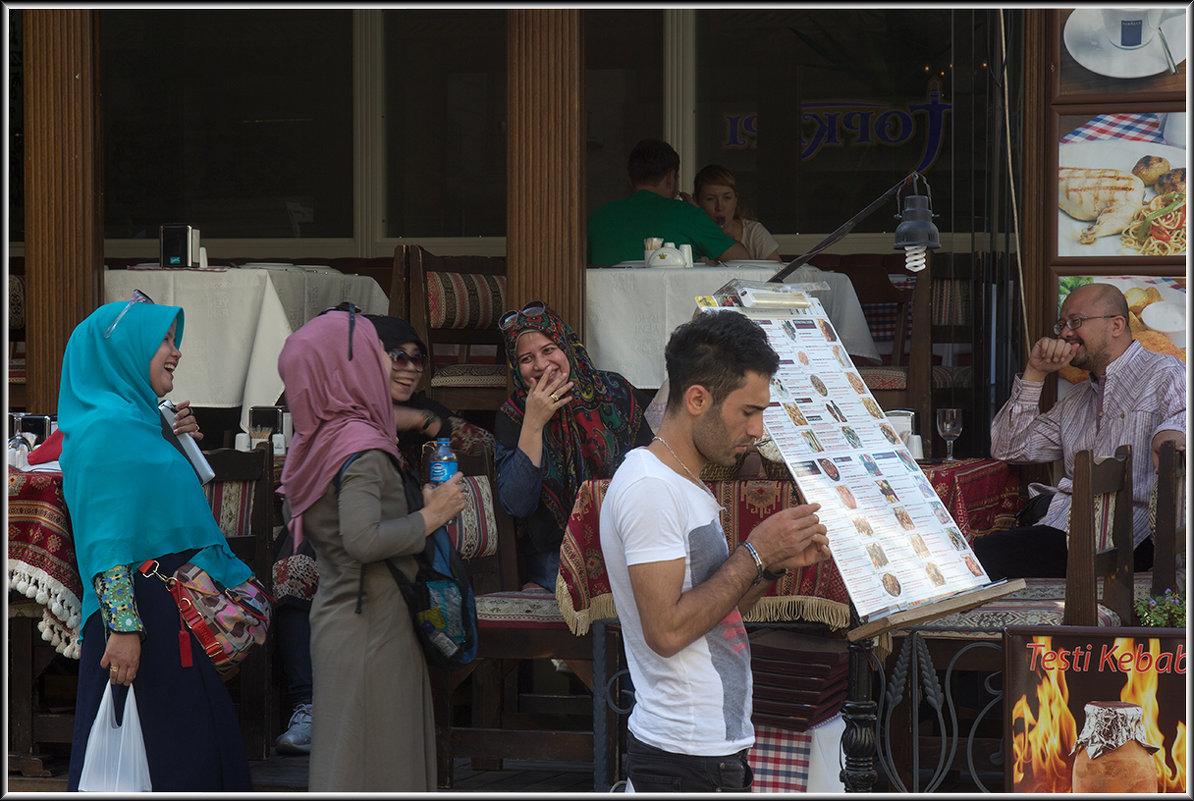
point(1113, 755)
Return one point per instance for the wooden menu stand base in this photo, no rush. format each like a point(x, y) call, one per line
point(859, 711)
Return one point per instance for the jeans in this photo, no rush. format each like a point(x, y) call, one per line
point(653, 770)
point(292, 628)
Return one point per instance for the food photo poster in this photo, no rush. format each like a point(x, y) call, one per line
point(1156, 315)
point(1106, 51)
point(893, 541)
point(1121, 185)
point(1095, 709)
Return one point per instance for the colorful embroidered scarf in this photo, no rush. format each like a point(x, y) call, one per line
point(587, 438)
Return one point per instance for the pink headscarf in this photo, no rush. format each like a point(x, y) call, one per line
point(339, 406)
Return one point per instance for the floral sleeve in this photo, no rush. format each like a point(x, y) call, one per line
point(118, 605)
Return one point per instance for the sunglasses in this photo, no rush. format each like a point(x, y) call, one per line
point(353, 311)
point(405, 361)
point(137, 297)
point(535, 308)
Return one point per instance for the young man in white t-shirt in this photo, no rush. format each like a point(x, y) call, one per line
point(679, 592)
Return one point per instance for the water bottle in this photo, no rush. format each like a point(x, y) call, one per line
point(443, 467)
point(443, 461)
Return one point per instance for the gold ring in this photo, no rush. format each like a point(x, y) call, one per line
point(555, 397)
point(114, 669)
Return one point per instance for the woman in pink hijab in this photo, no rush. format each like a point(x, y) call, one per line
point(372, 726)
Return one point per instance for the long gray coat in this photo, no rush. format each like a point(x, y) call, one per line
point(372, 723)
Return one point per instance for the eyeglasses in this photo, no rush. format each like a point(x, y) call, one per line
point(353, 311)
point(1074, 323)
point(137, 297)
point(533, 309)
point(406, 361)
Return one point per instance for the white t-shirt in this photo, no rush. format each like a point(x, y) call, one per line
point(758, 240)
point(698, 701)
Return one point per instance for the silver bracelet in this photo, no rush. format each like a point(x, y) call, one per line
point(758, 562)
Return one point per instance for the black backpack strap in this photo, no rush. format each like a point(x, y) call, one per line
point(336, 482)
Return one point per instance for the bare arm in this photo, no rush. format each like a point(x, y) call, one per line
point(736, 252)
point(672, 618)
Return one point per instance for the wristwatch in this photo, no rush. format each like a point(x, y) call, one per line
point(428, 419)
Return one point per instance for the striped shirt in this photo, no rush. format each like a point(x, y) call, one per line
point(1141, 394)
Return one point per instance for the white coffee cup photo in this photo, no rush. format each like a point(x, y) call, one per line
point(1131, 28)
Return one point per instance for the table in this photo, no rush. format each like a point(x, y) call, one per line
point(982, 495)
point(631, 312)
point(237, 320)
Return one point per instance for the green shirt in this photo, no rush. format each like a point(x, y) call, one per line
point(616, 230)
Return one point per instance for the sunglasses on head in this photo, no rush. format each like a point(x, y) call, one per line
point(353, 311)
point(137, 297)
point(533, 309)
point(406, 361)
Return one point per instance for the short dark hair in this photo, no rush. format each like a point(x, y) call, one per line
point(716, 350)
point(650, 161)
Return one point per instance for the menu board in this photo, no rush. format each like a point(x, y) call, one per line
point(894, 542)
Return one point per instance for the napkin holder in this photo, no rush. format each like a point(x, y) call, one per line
point(179, 246)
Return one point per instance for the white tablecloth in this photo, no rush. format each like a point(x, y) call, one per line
point(631, 312)
point(236, 321)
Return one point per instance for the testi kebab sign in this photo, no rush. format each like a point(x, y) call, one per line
point(1096, 709)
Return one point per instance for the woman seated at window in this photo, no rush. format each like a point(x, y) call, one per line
point(715, 190)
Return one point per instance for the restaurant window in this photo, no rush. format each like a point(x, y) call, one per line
point(445, 123)
point(237, 122)
point(818, 112)
point(623, 95)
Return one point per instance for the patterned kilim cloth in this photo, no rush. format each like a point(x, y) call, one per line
point(982, 495)
point(814, 594)
point(780, 760)
point(41, 556)
point(1139, 127)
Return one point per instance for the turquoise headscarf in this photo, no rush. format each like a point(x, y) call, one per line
point(131, 494)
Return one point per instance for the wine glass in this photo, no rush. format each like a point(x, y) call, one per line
point(949, 426)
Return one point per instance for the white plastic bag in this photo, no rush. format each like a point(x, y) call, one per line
point(115, 760)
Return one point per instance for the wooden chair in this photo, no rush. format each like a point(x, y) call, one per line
point(455, 302)
point(515, 626)
point(1169, 522)
point(1098, 591)
point(906, 383)
point(242, 500)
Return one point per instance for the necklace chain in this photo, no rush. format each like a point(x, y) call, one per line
point(700, 483)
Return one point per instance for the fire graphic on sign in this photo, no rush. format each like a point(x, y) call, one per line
point(1044, 729)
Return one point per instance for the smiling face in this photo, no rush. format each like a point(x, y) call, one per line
point(724, 432)
point(537, 354)
point(1096, 338)
point(163, 363)
point(719, 202)
point(405, 374)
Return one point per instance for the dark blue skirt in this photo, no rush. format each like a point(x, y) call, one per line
point(192, 738)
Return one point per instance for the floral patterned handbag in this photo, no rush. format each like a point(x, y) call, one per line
point(227, 622)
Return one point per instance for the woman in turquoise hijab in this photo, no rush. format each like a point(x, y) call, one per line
point(132, 497)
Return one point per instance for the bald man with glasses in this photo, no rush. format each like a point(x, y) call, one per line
point(1134, 396)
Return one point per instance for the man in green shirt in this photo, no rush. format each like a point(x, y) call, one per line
point(616, 230)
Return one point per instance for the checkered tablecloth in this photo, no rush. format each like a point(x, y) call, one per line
point(1144, 127)
point(780, 760)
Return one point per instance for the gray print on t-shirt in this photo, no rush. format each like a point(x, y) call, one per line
point(727, 644)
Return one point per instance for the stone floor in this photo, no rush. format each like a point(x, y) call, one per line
point(288, 774)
